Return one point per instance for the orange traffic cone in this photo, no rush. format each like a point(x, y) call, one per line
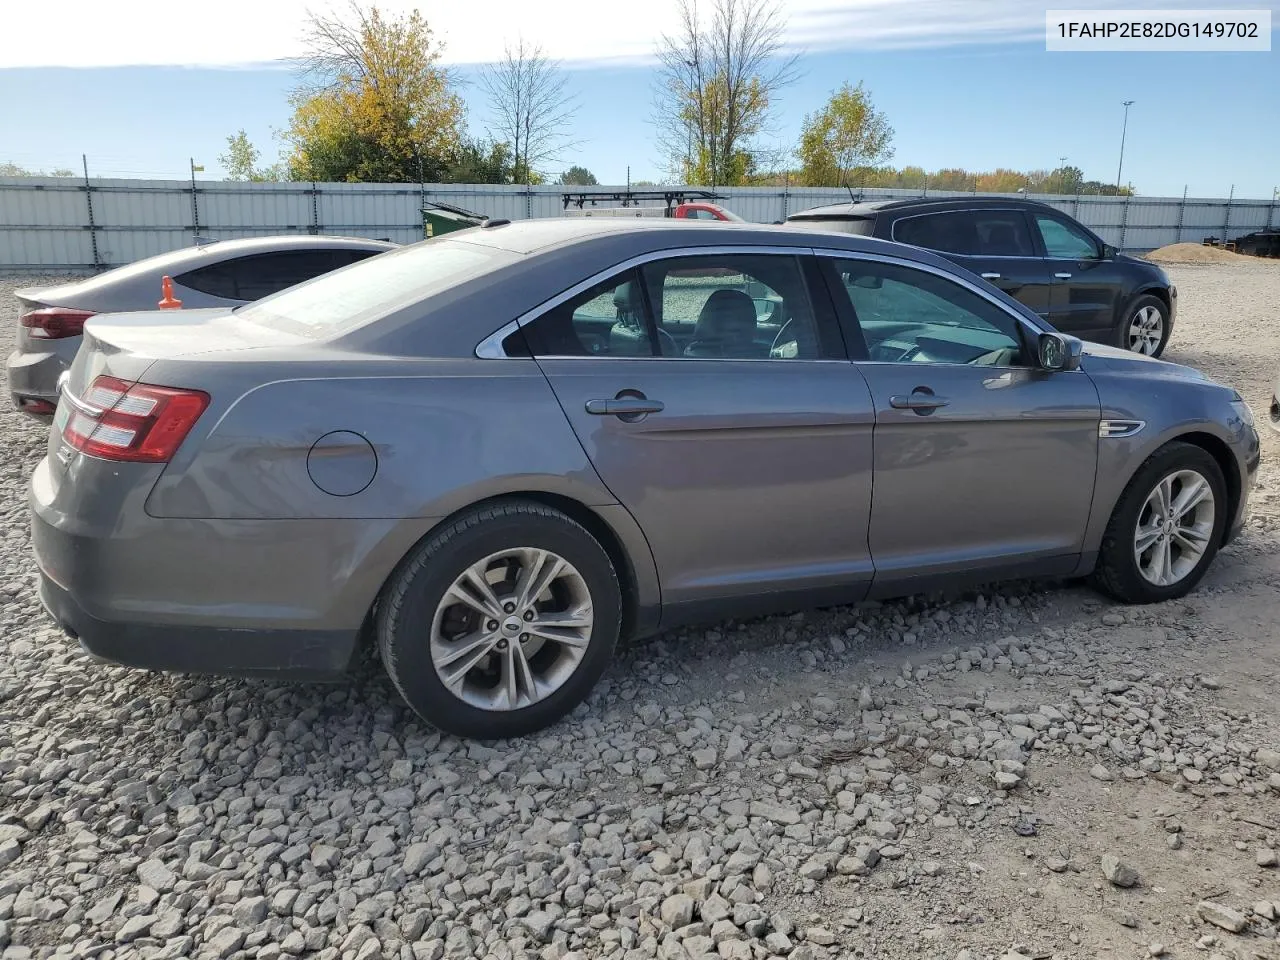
point(168, 301)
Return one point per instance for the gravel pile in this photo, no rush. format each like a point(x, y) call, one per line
point(1012, 773)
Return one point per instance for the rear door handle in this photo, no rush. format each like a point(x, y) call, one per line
point(919, 402)
point(1063, 276)
point(991, 276)
point(624, 407)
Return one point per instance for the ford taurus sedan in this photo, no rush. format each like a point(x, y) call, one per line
point(494, 454)
point(225, 273)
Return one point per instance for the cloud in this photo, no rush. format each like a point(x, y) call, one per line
point(231, 33)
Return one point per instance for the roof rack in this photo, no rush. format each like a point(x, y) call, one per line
point(630, 198)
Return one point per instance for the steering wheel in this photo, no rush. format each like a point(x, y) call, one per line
point(775, 351)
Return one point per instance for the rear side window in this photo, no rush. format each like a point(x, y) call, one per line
point(260, 275)
point(608, 320)
point(979, 233)
point(947, 232)
point(337, 302)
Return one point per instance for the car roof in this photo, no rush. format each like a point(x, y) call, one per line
point(868, 209)
point(175, 262)
point(529, 237)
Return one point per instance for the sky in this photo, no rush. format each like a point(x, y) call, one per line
point(143, 86)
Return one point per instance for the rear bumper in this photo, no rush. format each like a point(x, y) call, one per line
point(266, 598)
point(284, 654)
point(34, 376)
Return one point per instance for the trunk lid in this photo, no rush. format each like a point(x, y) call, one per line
point(126, 345)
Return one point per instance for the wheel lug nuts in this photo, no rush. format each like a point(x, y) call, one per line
point(528, 614)
point(509, 607)
point(524, 638)
point(502, 644)
point(493, 624)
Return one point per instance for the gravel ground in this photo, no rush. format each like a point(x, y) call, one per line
point(1027, 772)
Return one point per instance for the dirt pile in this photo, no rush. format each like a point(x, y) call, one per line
point(1195, 253)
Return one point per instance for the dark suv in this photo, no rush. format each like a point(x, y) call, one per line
point(1036, 254)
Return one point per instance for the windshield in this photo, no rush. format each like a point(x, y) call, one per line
point(356, 295)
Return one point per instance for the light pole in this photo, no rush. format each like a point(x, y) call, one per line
point(1123, 131)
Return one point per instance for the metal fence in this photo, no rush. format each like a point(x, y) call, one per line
point(56, 223)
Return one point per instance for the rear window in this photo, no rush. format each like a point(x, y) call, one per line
point(859, 226)
point(260, 275)
point(347, 299)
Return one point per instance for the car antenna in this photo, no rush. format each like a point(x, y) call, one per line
point(844, 180)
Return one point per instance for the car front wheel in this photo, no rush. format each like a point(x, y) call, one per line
point(1166, 528)
point(1145, 328)
point(501, 623)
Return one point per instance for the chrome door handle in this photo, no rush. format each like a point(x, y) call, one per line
point(1063, 276)
point(991, 276)
point(919, 402)
point(624, 407)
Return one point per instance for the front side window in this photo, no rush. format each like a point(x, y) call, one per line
point(609, 320)
point(914, 316)
point(1065, 241)
point(732, 307)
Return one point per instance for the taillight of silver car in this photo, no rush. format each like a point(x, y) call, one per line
point(139, 423)
point(55, 323)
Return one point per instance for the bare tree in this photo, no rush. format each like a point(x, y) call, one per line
point(718, 79)
point(532, 107)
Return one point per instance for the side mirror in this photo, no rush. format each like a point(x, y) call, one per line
point(1108, 251)
point(1059, 353)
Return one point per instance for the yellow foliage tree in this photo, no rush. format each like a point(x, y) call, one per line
point(379, 108)
point(846, 134)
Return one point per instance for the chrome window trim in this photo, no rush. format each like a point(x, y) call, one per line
point(490, 348)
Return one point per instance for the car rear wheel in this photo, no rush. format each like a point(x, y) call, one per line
point(1145, 328)
point(500, 624)
point(1166, 528)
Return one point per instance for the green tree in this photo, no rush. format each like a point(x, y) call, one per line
point(1065, 179)
point(240, 162)
point(578, 177)
point(479, 161)
point(378, 106)
point(846, 133)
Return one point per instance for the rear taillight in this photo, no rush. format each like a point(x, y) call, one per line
point(55, 323)
point(140, 423)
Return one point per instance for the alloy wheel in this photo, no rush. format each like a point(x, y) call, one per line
point(1146, 330)
point(1174, 527)
point(511, 629)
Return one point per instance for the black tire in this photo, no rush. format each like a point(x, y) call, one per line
point(408, 608)
point(1143, 302)
point(1117, 573)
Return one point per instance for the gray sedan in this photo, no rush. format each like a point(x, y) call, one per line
point(494, 454)
point(226, 273)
